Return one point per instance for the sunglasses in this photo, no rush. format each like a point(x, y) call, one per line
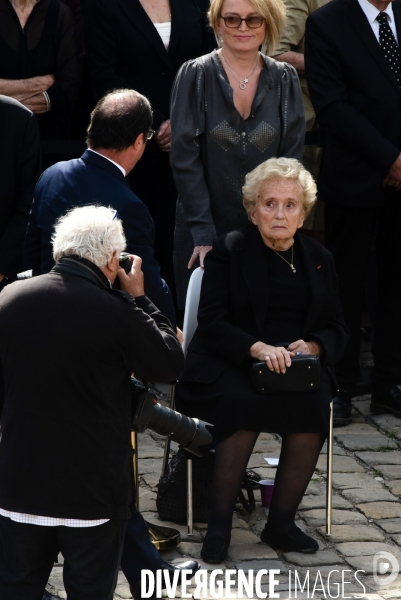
point(234, 22)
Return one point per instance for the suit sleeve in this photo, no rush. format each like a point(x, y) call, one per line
point(12, 239)
point(102, 47)
point(139, 232)
point(214, 324)
point(328, 90)
point(187, 125)
point(334, 336)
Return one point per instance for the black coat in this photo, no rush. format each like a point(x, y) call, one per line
point(19, 172)
point(68, 346)
point(234, 302)
point(357, 102)
point(125, 51)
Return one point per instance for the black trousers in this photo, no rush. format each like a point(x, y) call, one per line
point(91, 559)
point(351, 233)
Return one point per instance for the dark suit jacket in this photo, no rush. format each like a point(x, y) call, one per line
point(19, 172)
point(93, 179)
point(357, 101)
point(234, 302)
point(125, 51)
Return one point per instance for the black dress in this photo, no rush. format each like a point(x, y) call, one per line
point(45, 46)
point(242, 407)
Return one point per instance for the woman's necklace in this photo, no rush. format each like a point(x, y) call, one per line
point(245, 80)
point(291, 264)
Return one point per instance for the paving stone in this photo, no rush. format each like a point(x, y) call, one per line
point(317, 517)
point(380, 510)
point(148, 448)
point(190, 549)
point(309, 502)
point(316, 488)
point(343, 481)
point(241, 536)
point(183, 529)
point(238, 523)
point(268, 446)
point(258, 460)
point(366, 548)
point(337, 450)
point(149, 465)
point(396, 538)
point(147, 500)
point(390, 471)
point(241, 552)
point(341, 464)
point(365, 441)
point(363, 406)
point(364, 563)
point(151, 479)
point(352, 533)
point(395, 486)
point(360, 496)
point(122, 588)
point(357, 428)
point(335, 578)
point(389, 423)
point(380, 458)
point(322, 557)
point(256, 565)
point(390, 525)
point(392, 590)
point(266, 473)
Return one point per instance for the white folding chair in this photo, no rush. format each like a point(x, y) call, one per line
point(190, 325)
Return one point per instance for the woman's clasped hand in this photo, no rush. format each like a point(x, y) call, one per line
point(279, 358)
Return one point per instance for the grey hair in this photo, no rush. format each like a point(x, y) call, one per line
point(275, 169)
point(91, 232)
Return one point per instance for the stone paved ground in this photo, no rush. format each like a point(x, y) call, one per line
point(366, 514)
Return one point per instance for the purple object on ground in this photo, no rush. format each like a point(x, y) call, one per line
point(266, 491)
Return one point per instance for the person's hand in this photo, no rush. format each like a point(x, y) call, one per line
point(163, 136)
point(277, 359)
point(133, 283)
point(1, 277)
point(393, 177)
point(180, 336)
point(36, 103)
point(301, 347)
point(199, 251)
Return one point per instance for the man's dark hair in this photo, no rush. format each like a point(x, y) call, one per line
point(117, 120)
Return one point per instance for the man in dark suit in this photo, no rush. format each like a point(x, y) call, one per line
point(19, 172)
point(353, 71)
point(117, 135)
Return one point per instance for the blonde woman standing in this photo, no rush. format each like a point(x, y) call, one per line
point(231, 110)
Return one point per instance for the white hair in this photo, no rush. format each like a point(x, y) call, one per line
point(91, 232)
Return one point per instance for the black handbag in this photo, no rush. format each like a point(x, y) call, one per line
point(302, 376)
point(171, 498)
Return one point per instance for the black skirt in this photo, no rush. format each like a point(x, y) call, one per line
point(231, 404)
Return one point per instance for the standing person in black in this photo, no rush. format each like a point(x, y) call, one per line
point(141, 44)
point(38, 61)
point(353, 70)
point(19, 172)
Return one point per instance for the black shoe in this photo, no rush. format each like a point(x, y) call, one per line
point(214, 549)
point(190, 565)
point(387, 402)
point(342, 405)
point(294, 540)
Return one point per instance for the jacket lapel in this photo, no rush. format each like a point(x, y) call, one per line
point(364, 31)
point(315, 274)
point(178, 10)
point(253, 266)
point(135, 12)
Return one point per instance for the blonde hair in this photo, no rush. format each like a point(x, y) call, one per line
point(273, 11)
point(287, 169)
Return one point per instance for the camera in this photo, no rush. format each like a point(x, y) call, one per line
point(125, 261)
point(147, 413)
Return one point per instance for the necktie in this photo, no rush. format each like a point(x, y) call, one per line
point(389, 45)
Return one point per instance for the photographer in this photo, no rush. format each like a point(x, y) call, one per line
point(69, 344)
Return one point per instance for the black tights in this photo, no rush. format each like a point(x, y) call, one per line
point(298, 458)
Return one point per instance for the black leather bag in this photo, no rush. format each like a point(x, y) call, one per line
point(302, 376)
point(171, 498)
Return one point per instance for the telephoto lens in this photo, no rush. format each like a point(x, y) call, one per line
point(190, 433)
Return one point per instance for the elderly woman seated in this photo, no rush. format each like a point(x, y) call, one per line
point(268, 293)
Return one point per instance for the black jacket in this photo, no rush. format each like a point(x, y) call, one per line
point(234, 303)
point(68, 346)
point(19, 172)
point(125, 51)
point(357, 102)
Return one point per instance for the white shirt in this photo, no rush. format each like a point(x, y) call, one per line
point(123, 171)
point(371, 13)
point(164, 30)
point(50, 521)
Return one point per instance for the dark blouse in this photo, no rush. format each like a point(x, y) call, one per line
point(289, 298)
point(46, 46)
